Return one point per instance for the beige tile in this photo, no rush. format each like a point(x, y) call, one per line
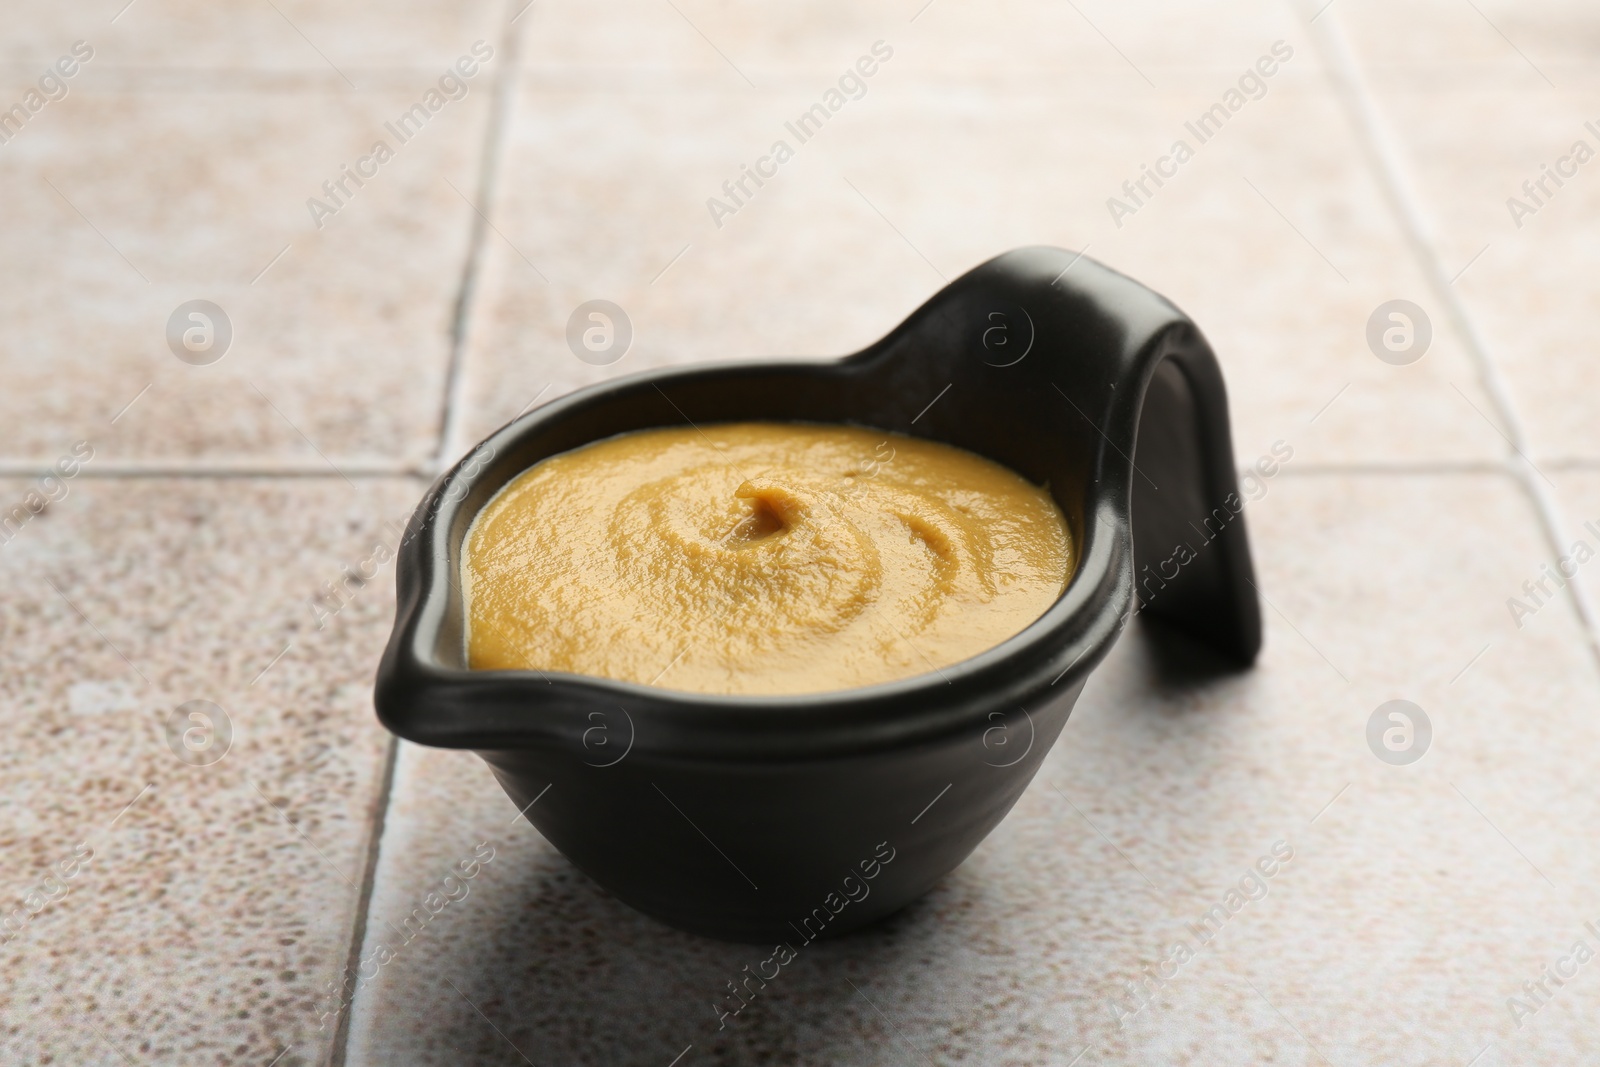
point(206, 927)
point(1578, 498)
point(1394, 934)
point(340, 347)
point(945, 176)
point(341, 44)
point(1527, 45)
point(714, 46)
point(1137, 50)
point(1406, 903)
point(1472, 135)
point(206, 924)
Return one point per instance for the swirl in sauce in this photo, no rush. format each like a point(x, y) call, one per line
point(759, 558)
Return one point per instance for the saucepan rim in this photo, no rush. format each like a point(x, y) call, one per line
point(1069, 638)
point(422, 698)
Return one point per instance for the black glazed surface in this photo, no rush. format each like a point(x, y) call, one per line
point(761, 818)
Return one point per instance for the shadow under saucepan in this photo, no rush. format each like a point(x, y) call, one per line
point(1010, 959)
point(538, 964)
point(1176, 659)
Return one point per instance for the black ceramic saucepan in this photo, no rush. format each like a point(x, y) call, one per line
point(786, 818)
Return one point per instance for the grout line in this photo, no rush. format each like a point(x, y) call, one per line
point(369, 881)
point(1393, 176)
point(494, 137)
point(498, 123)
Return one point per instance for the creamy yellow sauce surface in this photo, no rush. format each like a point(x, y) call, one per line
point(759, 558)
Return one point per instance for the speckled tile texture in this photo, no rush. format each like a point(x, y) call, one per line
point(1287, 243)
point(143, 199)
point(356, 38)
point(1400, 902)
point(222, 855)
point(1502, 134)
point(214, 577)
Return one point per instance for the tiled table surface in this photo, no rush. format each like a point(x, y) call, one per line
point(213, 909)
